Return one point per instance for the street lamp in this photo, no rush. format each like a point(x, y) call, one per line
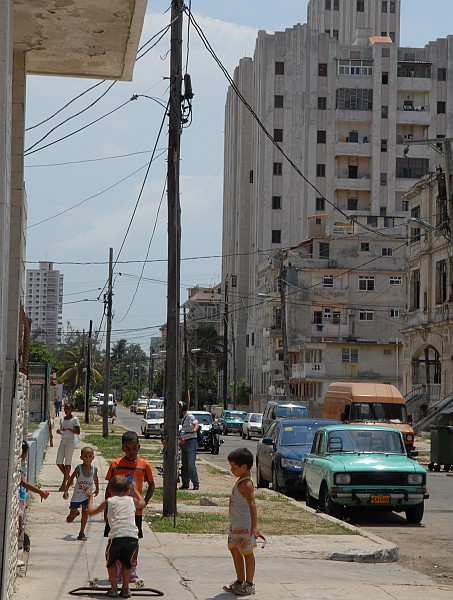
point(195, 352)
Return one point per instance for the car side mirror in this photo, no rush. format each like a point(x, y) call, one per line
point(412, 453)
point(410, 418)
point(267, 441)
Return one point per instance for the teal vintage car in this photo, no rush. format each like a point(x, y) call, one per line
point(363, 466)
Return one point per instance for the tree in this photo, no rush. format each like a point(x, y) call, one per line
point(74, 363)
point(210, 345)
point(243, 391)
point(39, 352)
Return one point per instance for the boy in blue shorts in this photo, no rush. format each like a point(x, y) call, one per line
point(243, 523)
point(86, 479)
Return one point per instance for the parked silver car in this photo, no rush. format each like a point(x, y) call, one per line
point(252, 425)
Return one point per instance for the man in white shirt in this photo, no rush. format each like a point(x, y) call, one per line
point(188, 444)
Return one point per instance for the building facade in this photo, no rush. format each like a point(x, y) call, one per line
point(336, 101)
point(427, 364)
point(44, 302)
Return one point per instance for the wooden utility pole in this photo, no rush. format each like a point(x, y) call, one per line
point(282, 290)
point(172, 368)
point(225, 348)
point(88, 376)
point(108, 313)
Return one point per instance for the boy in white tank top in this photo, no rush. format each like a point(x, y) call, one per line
point(243, 523)
point(122, 544)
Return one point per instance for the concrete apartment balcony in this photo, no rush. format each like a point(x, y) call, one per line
point(272, 332)
point(415, 150)
point(415, 84)
point(272, 365)
point(353, 116)
point(353, 149)
point(413, 116)
point(308, 370)
point(362, 183)
point(329, 330)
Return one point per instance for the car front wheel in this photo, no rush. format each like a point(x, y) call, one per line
point(275, 485)
point(414, 514)
point(309, 500)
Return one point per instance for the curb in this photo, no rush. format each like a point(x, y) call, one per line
point(387, 552)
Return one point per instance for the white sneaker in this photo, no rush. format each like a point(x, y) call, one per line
point(246, 589)
point(232, 587)
point(134, 575)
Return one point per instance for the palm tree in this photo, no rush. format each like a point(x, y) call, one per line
point(74, 363)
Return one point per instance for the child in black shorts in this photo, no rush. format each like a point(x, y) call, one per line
point(122, 543)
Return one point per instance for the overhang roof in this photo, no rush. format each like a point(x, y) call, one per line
point(79, 38)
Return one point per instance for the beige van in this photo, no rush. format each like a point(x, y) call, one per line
point(375, 403)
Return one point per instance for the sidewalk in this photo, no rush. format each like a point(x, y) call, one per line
point(197, 566)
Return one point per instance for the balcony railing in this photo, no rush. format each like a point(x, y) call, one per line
point(304, 370)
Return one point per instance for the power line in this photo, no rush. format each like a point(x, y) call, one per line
point(88, 160)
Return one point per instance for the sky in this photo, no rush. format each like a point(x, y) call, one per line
point(82, 191)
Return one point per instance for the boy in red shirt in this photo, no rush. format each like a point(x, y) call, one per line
point(137, 470)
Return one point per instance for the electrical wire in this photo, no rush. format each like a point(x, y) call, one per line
point(89, 160)
point(94, 196)
point(147, 254)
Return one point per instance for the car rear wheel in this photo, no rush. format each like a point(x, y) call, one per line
point(414, 514)
point(327, 505)
point(260, 481)
point(249, 437)
point(243, 435)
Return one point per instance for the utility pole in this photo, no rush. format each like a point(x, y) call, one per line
point(225, 348)
point(88, 376)
point(186, 363)
point(173, 372)
point(282, 290)
point(108, 313)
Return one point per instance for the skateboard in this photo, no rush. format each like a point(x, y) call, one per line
point(94, 588)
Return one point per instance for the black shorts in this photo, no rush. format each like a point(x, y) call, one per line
point(138, 522)
point(123, 549)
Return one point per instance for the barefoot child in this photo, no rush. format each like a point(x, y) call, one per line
point(137, 470)
point(123, 536)
point(243, 523)
point(87, 478)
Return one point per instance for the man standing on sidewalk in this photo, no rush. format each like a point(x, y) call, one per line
point(188, 444)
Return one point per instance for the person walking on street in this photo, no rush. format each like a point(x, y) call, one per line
point(122, 545)
point(69, 428)
point(57, 406)
point(87, 479)
point(188, 444)
point(243, 523)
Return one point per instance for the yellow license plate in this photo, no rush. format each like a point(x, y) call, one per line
point(380, 500)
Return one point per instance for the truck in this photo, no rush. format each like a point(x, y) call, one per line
point(370, 403)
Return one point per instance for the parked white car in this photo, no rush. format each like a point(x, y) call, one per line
point(253, 425)
point(152, 422)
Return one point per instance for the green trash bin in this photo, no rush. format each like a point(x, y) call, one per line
point(441, 452)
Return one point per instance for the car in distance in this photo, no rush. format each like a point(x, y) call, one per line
point(141, 407)
point(280, 454)
point(355, 466)
point(152, 422)
point(252, 425)
point(283, 410)
point(231, 421)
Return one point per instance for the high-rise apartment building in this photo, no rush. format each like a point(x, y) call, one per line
point(44, 302)
point(351, 110)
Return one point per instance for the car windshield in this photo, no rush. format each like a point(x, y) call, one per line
point(379, 411)
point(256, 418)
point(292, 412)
point(142, 403)
point(155, 414)
point(365, 440)
point(203, 418)
point(235, 416)
point(297, 435)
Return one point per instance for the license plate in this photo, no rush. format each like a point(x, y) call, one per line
point(380, 500)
